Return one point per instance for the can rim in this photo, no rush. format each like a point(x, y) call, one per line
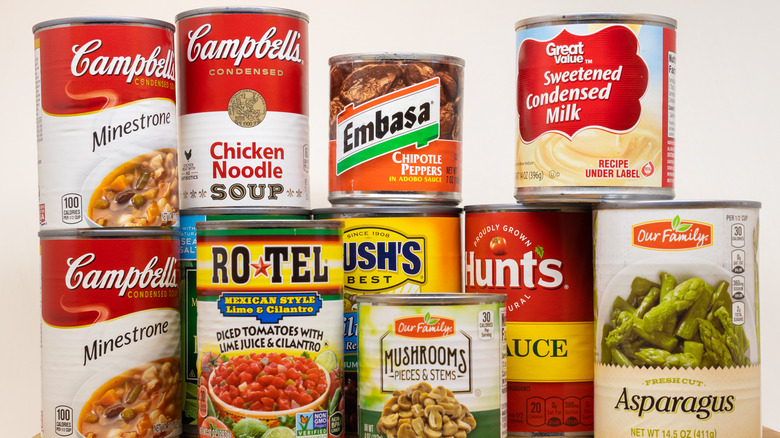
point(397, 56)
point(432, 299)
point(258, 211)
point(529, 207)
point(223, 10)
point(118, 232)
point(385, 210)
point(102, 20)
point(268, 224)
point(676, 203)
point(604, 17)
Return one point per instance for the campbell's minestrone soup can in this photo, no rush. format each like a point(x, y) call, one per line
point(106, 120)
point(110, 333)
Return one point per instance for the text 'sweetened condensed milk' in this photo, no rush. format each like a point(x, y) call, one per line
point(270, 328)
point(110, 333)
point(540, 256)
point(106, 119)
point(432, 365)
point(595, 105)
point(396, 124)
point(677, 334)
point(244, 116)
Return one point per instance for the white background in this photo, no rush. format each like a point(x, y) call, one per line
point(727, 128)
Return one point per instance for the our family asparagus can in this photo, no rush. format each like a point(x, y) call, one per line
point(677, 334)
point(432, 365)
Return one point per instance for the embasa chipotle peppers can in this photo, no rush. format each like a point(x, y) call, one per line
point(595, 105)
point(395, 128)
point(110, 333)
point(432, 365)
point(270, 327)
point(677, 349)
point(106, 123)
point(540, 257)
point(245, 142)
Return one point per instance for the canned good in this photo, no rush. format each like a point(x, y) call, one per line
point(677, 334)
point(392, 250)
point(540, 256)
point(245, 143)
point(106, 119)
point(435, 360)
point(395, 128)
point(189, 292)
point(110, 333)
point(596, 104)
point(269, 328)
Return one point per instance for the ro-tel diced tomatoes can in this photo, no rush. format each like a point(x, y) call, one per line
point(396, 124)
point(244, 107)
point(270, 328)
point(400, 249)
point(595, 105)
point(189, 293)
point(540, 256)
point(432, 365)
point(110, 333)
point(677, 334)
point(106, 122)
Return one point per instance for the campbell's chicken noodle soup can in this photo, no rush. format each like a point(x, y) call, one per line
point(398, 250)
point(245, 142)
point(677, 332)
point(596, 106)
point(396, 128)
point(270, 322)
point(110, 333)
point(106, 122)
point(540, 256)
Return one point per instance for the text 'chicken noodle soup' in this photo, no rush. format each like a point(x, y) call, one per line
point(432, 365)
point(595, 106)
point(270, 320)
point(244, 112)
point(110, 333)
point(106, 123)
point(396, 127)
point(677, 347)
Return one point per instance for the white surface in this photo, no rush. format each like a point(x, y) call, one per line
point(727, 118)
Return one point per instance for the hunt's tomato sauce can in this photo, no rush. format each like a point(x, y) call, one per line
point(110, 333)
point(106, 121)
point(540, 256)
point(244, 114)
point(595, 106)
point(396, 127)
point(269, 328)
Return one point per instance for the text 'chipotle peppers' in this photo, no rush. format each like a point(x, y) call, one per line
point(395, 128)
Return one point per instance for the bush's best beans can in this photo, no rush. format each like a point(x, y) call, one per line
point(396, 124)
point(677, 333)
point(244, 114)
point(540, 256)
point(432, 365)
point(270, 323)
point(110, 333)
point(106, 120)
point(596, 104)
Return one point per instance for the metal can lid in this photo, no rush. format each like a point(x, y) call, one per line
point(596, 17)
point(678, 203)
point(109, 233)
point(295, 224)
point(430, 299)
point(354, 211)
point(396, 57)
point(563, 207)
point(260, 212)
point(102, 20)
point(217, 10)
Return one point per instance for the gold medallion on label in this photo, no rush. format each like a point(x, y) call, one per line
point(247, 108)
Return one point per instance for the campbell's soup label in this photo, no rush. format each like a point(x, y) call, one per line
point(269, 328)
point(677, 333)
point(110, 334)
point(596, 102)
point(245, 142)
point(540, 258)
point(437, 360)
point(106, 123)
point(395, 128)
